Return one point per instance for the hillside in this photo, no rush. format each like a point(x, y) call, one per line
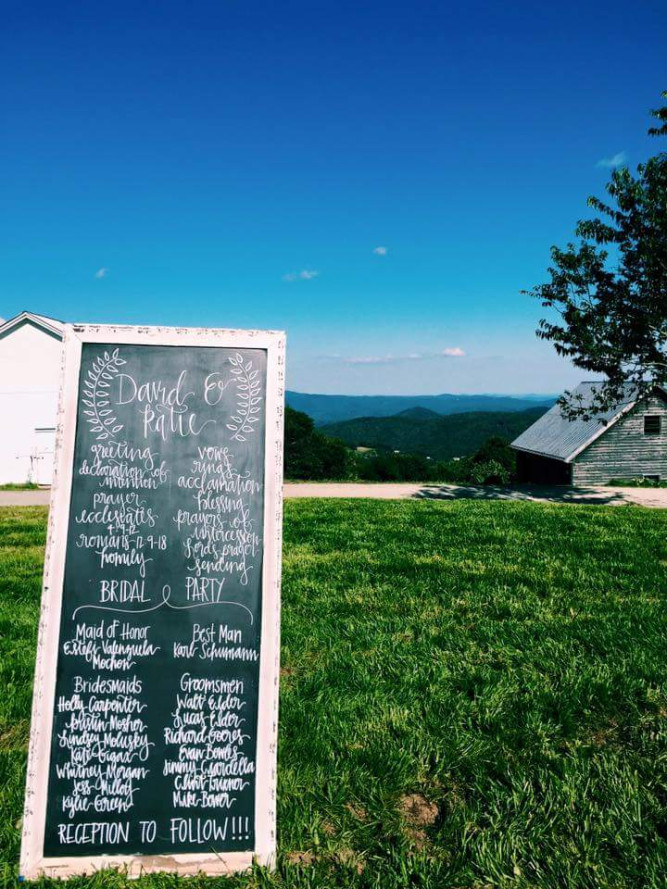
point(439, 437)
point(337, 408)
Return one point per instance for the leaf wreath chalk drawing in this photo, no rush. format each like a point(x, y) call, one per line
point(96, 395)
point(249, 398)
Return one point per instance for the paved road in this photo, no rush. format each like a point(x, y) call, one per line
point(25, 498)
point(652, 497)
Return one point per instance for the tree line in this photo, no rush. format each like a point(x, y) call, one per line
point(312, 456)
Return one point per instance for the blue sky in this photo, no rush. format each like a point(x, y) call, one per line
point(238, 164)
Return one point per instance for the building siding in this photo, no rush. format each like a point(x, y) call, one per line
point(29, 377)
point(624, 451)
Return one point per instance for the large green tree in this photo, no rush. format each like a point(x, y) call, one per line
point(311, 455)
point(608, 292)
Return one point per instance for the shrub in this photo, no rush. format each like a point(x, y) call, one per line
point(490, 472)
point(637, 483)
point(496, 449)
point(310, 455)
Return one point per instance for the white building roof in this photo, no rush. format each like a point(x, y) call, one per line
point(49, 325)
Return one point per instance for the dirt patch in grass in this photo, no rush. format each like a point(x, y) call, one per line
point(418, 813)
point(417, 810)
point(15, 737)
point(287, 676)
point(349, 858)
point(301, 859)
point(356, 811)
point(606, 735)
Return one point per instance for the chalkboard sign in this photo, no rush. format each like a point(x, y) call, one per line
point(153, 739)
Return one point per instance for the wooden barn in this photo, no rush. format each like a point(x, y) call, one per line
point(629, 441)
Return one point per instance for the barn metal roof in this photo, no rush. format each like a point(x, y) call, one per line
point(553, 435)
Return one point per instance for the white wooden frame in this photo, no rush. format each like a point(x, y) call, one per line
point(33, 863)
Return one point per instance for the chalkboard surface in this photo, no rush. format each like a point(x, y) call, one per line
point(154, 735)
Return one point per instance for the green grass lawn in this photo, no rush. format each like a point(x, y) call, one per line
point(473, 694)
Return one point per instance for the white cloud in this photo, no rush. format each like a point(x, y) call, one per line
point(616, 160)
point(102, 273)
point(303, 275)
point(451, 352)
point(375, 359)
point(380, 251)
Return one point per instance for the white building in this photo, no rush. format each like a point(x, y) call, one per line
point(30, 355)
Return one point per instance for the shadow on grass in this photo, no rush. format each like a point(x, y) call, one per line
point(546, 493)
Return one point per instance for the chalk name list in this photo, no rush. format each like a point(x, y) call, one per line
point(153, 747)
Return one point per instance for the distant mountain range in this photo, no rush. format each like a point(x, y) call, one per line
point(336, 408)
point(419, 430)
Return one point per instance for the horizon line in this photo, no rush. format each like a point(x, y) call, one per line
point(530, 395)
